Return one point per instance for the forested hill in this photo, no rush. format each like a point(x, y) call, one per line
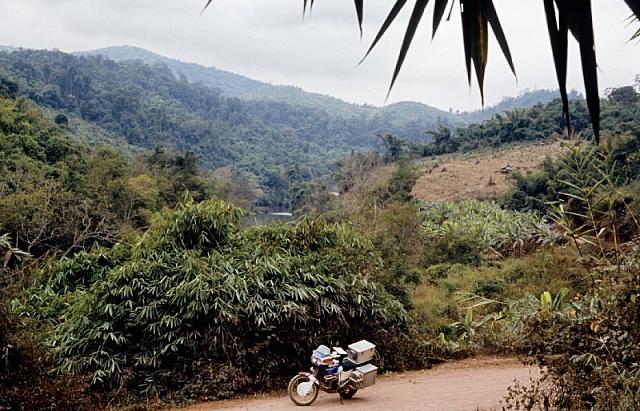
point(150, 105)
point(235, 85)
point(527, 99)
point(229, 84)
point(145, 101)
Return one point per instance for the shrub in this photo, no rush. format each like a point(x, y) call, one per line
point(532, 192)
point(592, 355)
point(198, 307)
point(438, 271)
point(401, 182)
point(456, 250)
point(26, 380)
point(488, 288)
point(437, 298)
point(461, 231)
point(398, 239)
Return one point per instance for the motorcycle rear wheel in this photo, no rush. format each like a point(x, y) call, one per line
point(293, 391)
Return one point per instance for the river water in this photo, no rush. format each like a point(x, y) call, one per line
point(266, 218)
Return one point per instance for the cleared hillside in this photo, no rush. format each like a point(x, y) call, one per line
point(478, 175)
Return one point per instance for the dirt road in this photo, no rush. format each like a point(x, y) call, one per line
point(477, 384)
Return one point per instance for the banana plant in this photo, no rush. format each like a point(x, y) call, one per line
point(511, 312)
point(465, 329)
point(587, 211)
point(507, 232)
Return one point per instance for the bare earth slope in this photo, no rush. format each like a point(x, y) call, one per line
point(478, 176)
point(465, 385)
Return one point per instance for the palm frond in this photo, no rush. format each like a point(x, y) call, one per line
point(414, 21)
point(581, 26)
point(359, 4)
point(478, 15)
point(476, 39)
point(558, 36)
point(206, 6)
point(438, 14)
point(634, 5)
point(397, 8)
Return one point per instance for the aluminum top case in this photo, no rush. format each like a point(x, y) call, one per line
point(361, 352)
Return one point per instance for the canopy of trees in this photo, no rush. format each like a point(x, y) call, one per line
point(57, 195)
point(620, 116)
point(147, 106)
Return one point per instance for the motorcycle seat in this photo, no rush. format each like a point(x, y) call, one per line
point(348, 365)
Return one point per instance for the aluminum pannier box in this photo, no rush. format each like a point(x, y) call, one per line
point(366, 375)
point(361, 352)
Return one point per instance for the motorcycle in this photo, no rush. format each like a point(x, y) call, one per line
point(335, 371)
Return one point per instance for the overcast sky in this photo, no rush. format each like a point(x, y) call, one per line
point(267, 40)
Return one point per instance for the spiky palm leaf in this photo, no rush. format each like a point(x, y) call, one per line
point(634, 5)
point(477, 15)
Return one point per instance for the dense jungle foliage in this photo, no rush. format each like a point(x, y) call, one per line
point(87, 222)
point(59, 196)
point(548, 272)
point(151, 105)
point(584, 335)
point(589, 346)
point(131, 278)
point(198, 307)
point(620, 114)
point(407, 119)
point(195, 293)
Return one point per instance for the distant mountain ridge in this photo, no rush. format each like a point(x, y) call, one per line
point(134, 105)
point(236, 85)
point(136, 100)
point(230, 84)
point(526, 99)
point(394, 118)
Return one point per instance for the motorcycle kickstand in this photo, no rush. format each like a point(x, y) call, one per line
point(342, 399)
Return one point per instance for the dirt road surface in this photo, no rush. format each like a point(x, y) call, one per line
point(476, 384)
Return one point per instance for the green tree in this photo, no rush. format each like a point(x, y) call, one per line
point(624, 95)
point(401, 182)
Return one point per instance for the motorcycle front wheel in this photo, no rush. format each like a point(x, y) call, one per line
point(302, 390)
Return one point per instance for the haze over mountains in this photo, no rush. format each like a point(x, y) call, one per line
point(236, 85)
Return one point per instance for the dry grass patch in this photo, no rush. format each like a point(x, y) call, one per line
point(478, 176)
